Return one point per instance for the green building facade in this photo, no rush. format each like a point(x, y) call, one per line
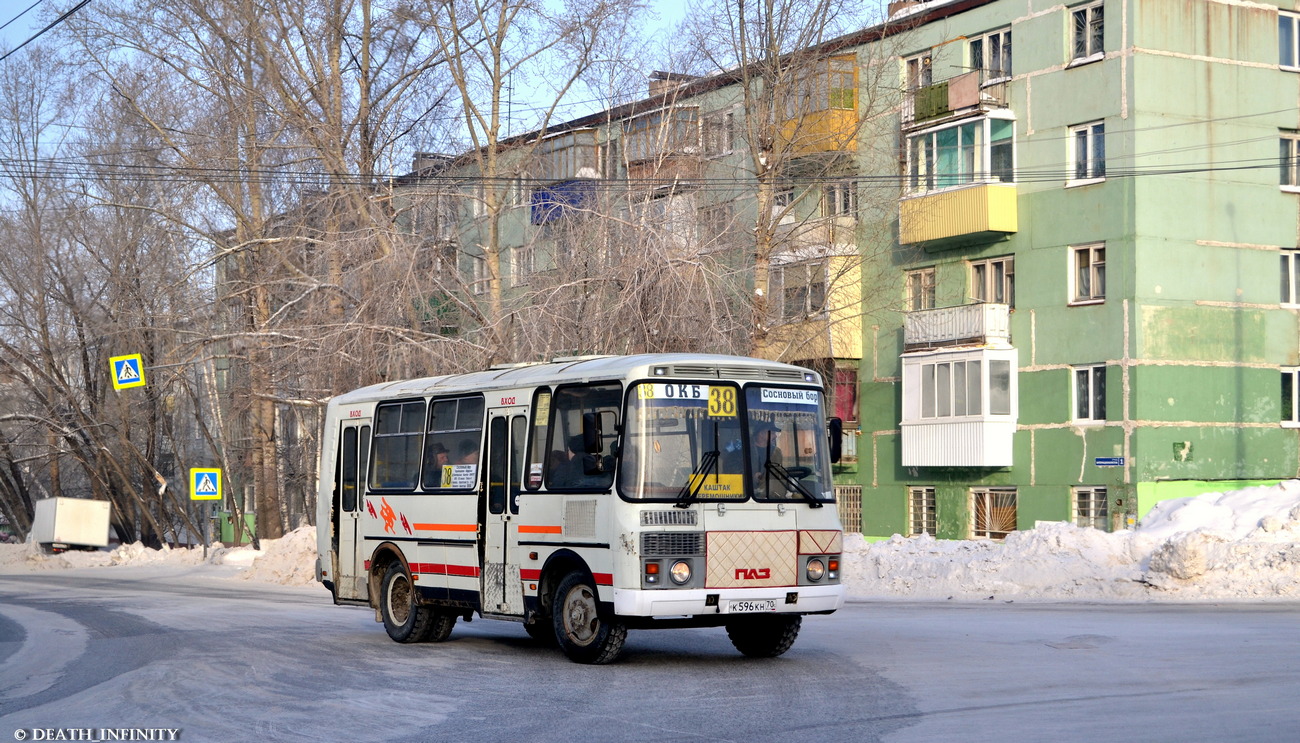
point(1133, 276)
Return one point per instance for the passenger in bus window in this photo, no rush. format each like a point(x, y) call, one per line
point(468, 453)
point(566, 466)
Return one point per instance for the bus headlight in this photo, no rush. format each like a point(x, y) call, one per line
point(816, 569)
point(680, 572)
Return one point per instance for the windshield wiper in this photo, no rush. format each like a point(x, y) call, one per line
point(783, 475)
point(691, 490)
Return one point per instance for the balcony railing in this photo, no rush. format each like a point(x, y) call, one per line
point(969, 324)
point(965, 94)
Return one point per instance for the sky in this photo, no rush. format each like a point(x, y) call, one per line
point(1237, 545)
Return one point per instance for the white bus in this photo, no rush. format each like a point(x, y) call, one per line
point(585, 497)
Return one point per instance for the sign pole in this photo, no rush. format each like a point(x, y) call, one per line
point(205, 485)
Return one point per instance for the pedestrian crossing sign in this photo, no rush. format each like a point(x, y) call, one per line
point(205, 483)
point(128, 371)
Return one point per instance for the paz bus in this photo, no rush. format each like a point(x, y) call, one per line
point(586, 497)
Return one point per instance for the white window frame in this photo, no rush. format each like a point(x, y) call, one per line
point(720, 133)
point(1093, 43)
point(922, 517)
point(993, 498)
point(1290, 277)
point(969, 386)
point(1095, 268)
point(840, 199)
point(1290, 402)
point(983, 45)
point(984, 281)
point(480, 275)
point(918, 70)
point(523, 264)
point(1288, 161)
point(975, 158)
point(1088, 394)
point(1087, 154)
point(1288, 41)
point(921, 286)
point(1091, 507)
point(805, 272)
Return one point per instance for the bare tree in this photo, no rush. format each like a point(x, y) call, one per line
point(285, 115)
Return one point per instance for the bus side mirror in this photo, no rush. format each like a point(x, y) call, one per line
point(835, 432)
point(591, 434)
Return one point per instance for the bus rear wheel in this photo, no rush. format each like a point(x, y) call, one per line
point(764, 636)
point(584, 633)
point(405, 619)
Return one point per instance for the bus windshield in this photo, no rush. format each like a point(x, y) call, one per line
point(789, 457)
point(687, 442)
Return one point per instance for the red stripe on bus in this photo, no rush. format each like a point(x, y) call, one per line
point(529, 574)
point(603, 579)
point(446, 527)
point(430, 568)
point(526, 529)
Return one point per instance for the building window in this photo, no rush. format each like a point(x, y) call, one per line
point(524, 264)
point(480, 275)
point(1290, 379)
point(921, 510)
point(920, 289)
point(1088, 31)
point(976, 151)
point(823, 85)
point(1090, 393)
point(1288, 36)
point(1088, 143)
point(1291, 277)
point(660, 134)
point(994, 512)
point(994, 280)
point(720, 133)
point(919, 71)
point(951, 388)
point(1091, 508)
point(799, 289)
point(990, 54)
point(1288, 160)
point(840, 199)
point(1088, 274)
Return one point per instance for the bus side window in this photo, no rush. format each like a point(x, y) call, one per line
point(571, 463)
point(398, 436)
point(537, 452)
point(451, 449)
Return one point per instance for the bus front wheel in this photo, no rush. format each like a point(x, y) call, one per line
point(764, 636)
point(584, 633)
point(405, 619)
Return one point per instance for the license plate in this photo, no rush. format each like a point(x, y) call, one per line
point(749, 606)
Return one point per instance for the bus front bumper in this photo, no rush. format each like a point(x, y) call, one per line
point(694, 602)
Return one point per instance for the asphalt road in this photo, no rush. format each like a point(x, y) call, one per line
point(229, 660)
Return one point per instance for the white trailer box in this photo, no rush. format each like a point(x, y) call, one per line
point(70, 523)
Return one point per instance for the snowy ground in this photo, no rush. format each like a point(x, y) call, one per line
point(1242, 544)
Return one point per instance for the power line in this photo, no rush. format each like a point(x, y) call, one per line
point(65, 16)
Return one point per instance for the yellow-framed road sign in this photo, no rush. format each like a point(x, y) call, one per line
point(205, 483)
point(128, 371)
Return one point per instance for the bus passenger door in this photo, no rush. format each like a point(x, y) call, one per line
point(354, 455)
point(502, 590)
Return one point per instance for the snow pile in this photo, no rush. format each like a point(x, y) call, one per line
point(290, 561)
point(1239, 544)
point(1242, 544)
